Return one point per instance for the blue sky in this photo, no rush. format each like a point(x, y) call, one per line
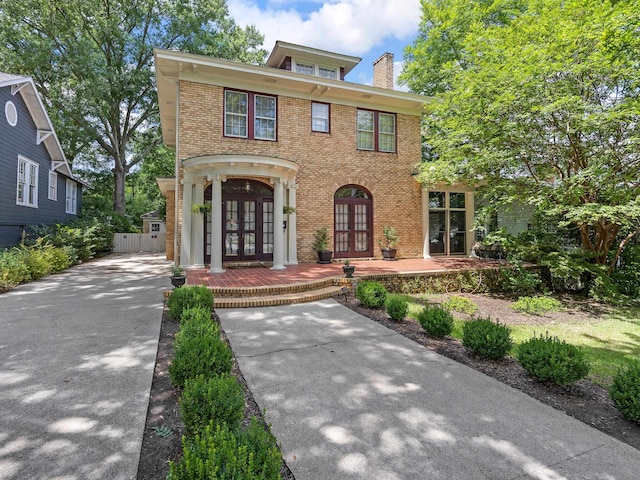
point(362, 28)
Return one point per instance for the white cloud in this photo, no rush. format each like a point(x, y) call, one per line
point(352, 27)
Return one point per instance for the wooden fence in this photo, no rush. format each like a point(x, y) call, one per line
point(139, 242)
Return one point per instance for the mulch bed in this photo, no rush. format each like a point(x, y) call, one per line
point(583, 400)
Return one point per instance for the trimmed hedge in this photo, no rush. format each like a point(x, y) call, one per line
point(486, 339)
point(625, 391)
point(195, 356)
point(214, 400)
point(223, 453)
point(550, 359)
point(436, 321)
point(184, 298)
point(371, 294)
point(397, 307)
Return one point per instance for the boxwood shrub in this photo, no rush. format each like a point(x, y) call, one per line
point(486, 339)
point(187, 297)
point(371, 294)
point(195, 356)
point(196, 322)
point(550, 359)
point(436, 321)
point(625, 391)
point(227, 454)
point(397, 307)
point(214, 400)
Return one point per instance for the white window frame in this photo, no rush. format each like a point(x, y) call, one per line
point(367, 132)
point(154, 227)
point(320, 121)
point(53, 186)
point(271, 120)
point(391, 134)
point(71, 197)
point(333, 72)
point(303, 68)
point(244, 115)
point(27, 183)
point(376, 134)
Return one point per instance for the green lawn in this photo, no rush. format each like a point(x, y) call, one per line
point(609, 342)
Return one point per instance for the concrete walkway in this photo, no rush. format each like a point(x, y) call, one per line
point(77, 352)
point(351, 399)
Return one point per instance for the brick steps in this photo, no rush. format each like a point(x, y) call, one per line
point(272, 299)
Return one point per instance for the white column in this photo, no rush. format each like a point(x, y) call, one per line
point(278, 230)
point(216, 225)
point(425, 224)
point(197, 226)
point(185, 234)
point(292, 253)
point(469, 204)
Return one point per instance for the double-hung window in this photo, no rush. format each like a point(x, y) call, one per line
point(376, 131)
point(305, 68)
point(27, 192)
point(249, 115)
point(320, 117)
point(53, 186)
point(72, 196)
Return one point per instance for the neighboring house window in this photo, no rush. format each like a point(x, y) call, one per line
point(249, 115)
point(11, 113)
point(53, 186)
point(155, 227)
point(319, 117)
point(27, 194)
point(72, 196)
point(304, 68)
point(376, 131)
point(327, 73)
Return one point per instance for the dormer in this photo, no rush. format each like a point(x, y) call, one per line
point(311, 61)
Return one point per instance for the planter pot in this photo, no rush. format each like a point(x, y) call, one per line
point(179, 281)
point(348, 270)
point(389, 253)
point(324, 256)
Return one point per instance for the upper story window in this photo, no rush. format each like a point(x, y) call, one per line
point(316, 70)
point(376, 131)
point(27, 193)
point(249, 115)
point(53, 186)
point(305, 68)
point(319, 117)
point(72, 197)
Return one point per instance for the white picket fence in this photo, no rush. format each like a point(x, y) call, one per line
point(139, 242)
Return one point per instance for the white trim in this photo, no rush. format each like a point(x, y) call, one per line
point(52, 192)
point(11, 113)
point(71, 195)
point(31, 169)
point(42, 135)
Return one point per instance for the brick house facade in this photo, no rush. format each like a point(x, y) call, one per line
point(251, 141)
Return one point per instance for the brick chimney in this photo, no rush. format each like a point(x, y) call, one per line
point(383, 71)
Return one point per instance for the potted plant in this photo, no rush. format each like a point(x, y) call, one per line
point(348, 269)
point(178, 277)
point(389, 242)
point(200, 207)
point(320, 244)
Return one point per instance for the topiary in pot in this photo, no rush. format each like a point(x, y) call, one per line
point(320, 245)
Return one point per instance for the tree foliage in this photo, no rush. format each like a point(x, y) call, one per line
point(539, 103)
point(92, 61)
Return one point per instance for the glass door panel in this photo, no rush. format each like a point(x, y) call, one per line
point(249, 228)
point(342, 223)
point(457, 232)
point(437, 232)
point(232, 225)
point(361, 227)
point(267, 227)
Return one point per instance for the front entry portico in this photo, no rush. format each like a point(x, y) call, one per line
point(247, 195)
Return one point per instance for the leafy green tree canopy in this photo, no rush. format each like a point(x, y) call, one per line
point(538, 103)
point(92, 61)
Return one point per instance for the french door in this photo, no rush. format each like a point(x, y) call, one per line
point(447, 223)
point(352, 223)
point(247, 222)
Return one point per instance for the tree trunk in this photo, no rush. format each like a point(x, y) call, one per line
point(119, 203)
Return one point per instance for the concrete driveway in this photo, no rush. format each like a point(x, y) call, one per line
point(77, 352)
point(351, 399)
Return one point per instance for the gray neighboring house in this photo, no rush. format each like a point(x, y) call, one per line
point(36, 183)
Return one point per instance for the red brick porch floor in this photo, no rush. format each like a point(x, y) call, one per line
point(309, 272)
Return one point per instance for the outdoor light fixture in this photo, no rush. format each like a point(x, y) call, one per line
point(247, 186)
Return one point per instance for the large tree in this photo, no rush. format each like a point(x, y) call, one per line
point(539, 101)
point(92, 61)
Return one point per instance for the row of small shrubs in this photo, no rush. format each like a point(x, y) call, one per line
point(212, 402)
